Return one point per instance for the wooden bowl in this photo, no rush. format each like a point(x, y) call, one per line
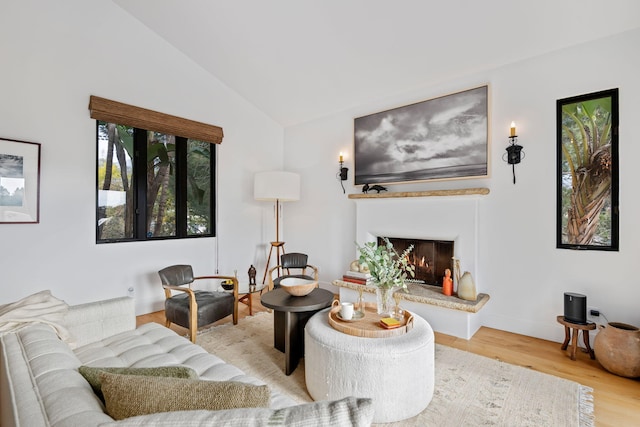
point(298, 287)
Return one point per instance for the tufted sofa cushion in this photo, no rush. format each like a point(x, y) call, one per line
point(154, 345)
point(38, 360)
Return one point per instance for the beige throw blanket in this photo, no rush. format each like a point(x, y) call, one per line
point(41, 307)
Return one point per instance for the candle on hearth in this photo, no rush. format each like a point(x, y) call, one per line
point(513, 129)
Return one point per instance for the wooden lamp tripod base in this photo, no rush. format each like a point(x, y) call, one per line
point(277, 244)
point(279, 247)
point(276, 186)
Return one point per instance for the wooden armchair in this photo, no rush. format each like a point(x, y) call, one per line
point(193, 309)
point(295, 261)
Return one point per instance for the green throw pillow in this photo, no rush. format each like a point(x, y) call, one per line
point(131, 395)
point(92, 374)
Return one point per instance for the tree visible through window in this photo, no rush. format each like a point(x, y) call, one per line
point(153, 185)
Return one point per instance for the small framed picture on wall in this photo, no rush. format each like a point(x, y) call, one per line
point(19, 181)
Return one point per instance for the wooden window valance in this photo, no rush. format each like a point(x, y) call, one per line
point(124, 114)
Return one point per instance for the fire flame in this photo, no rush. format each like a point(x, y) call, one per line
point(422, 262)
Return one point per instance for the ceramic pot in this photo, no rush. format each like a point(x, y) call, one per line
point(617, 348)
point(467, 288)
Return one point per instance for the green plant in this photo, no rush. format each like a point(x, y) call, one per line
point(388, 269)
point(586, 148)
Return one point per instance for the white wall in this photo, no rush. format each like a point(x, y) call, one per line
point(54, 56)
point(519, 265)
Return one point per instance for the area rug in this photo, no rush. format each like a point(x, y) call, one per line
point(470, 390)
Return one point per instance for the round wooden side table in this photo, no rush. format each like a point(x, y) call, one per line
point(570, 327)
point(290, 315)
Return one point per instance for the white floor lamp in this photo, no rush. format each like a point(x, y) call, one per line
point(276, 186)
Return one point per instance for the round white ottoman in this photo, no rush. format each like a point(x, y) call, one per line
point(396, 372)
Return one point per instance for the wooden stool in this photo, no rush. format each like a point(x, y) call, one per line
point(568, 326)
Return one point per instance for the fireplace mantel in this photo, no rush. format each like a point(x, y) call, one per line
point(430, 193)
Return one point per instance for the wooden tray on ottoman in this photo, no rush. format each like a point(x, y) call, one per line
point(369, 326)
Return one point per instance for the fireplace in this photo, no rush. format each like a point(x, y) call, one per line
point(439, 219)
point(430, 258)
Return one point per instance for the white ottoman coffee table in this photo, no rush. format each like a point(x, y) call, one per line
point(396, 372)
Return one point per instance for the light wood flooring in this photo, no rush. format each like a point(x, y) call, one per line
point(617, 399)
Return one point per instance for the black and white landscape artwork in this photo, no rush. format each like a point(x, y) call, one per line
point(441, 138)
point(11, 180)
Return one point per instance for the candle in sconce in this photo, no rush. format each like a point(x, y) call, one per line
point(341, 158)
point(513, 129)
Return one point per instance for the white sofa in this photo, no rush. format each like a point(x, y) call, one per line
point(40, 384)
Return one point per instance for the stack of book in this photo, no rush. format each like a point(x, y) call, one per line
point(357, 277)
point(390, 323)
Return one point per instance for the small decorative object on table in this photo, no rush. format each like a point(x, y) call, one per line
point(390, 323)
point(346, 311)
point(227, 284)
point(399, 312)
point(298, 287)
point(361, 306)
point(252, 278)
point(388, 270)
point(371, 325)
point(355, 316)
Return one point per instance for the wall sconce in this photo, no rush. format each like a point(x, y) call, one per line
point(343, 172)
point(514, 152)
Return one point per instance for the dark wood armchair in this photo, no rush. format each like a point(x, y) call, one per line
point(292, 261)
point(191, 308)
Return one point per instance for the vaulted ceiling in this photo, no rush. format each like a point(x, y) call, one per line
point(298, 60)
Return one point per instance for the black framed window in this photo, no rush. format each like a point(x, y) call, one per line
point(587, 171)
point(152, 185)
